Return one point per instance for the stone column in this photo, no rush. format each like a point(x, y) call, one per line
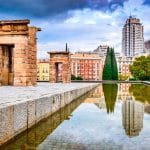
point(32, 57)
point(52, 75)
point(20, 61)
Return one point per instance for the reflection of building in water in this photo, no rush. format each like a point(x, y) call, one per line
point(97, 92)
point(96, 96)
point(132, 117)
point(123, 92)
point(147, 108)
point(101, 103)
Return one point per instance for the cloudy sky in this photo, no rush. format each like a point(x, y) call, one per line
point(83, 24)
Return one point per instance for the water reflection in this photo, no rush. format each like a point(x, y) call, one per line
point(84, 124)
point(132, 117)
point(123, 92)
point(96, 96)
point(110, 94)
point(30, 139)
point(141, 93)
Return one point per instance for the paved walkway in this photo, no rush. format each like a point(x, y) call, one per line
point(10, 94)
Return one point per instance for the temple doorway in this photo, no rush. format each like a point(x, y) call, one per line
point(6, 65)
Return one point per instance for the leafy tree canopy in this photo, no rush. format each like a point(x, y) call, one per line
point(73, 77)
point(140, 69)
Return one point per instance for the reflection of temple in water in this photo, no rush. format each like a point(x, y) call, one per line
point(104, 96)
point(97, 92)
point(147, 108)
point(132, 117)
point(96, 96)
point(101, 103)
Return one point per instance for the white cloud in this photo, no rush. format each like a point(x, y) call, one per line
point(86, 29)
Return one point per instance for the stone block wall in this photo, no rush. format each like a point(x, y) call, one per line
point(23, 39)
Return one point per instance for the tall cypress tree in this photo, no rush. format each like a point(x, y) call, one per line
point(110, 71)
point(107, 71)
point(114, 65)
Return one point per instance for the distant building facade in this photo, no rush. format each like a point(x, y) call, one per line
point(124, 65)
point(147, 47)
point(89, 66)
point(101, 50)
point(43, 70)
point(132, 37)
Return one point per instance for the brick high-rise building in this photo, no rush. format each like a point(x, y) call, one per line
point(132, 37)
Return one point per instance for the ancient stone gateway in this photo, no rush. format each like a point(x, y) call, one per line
point(17, 53)
point(60, 67)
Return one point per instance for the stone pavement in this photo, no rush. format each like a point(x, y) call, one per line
point(10, 95)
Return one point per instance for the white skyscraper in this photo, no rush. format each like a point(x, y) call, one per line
point(132, 37)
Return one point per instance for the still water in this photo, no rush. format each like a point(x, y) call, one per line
point(109, 117)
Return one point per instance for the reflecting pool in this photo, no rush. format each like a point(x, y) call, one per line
point(111, 117)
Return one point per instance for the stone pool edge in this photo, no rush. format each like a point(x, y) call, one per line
point(16, 118)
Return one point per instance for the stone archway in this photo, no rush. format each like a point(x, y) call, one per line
point(61, 58)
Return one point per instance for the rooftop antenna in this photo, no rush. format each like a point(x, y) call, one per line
point(66, 47)
point(130, 12)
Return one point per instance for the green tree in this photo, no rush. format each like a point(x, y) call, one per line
point(107, 71)
point(79, 78)
point(110, 94)
point(110, 71)
point(114, 65)
point(73, 77)
point(140, 69)
point(122, 77)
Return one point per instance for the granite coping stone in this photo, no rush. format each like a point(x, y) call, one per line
point(11, 95)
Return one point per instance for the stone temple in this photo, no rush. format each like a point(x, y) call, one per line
point(60, 67)
point(17, 53)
